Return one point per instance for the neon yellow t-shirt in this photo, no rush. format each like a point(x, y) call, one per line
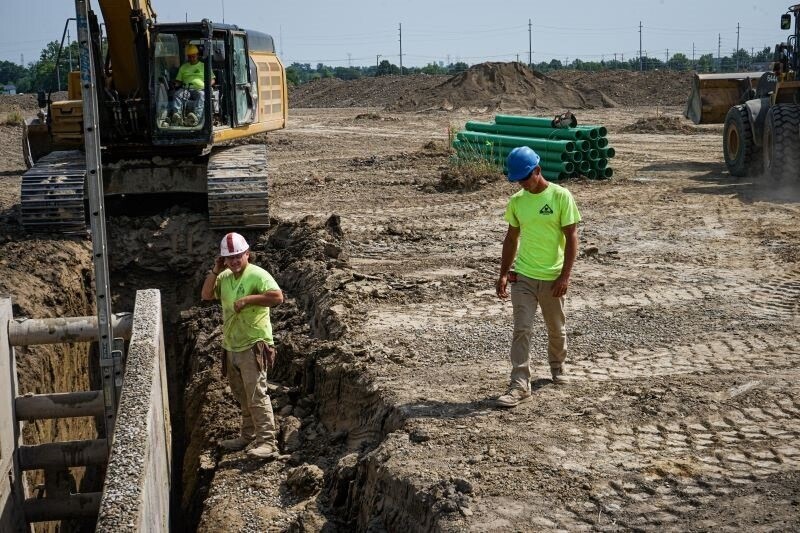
point(192, 76)
point(252, 324)
point(540, 218)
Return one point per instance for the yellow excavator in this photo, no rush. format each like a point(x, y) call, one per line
point(170, 96)
point(760, 110)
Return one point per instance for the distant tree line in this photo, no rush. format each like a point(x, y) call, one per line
point(680, 62)
point(42, 74)
point(298, 73)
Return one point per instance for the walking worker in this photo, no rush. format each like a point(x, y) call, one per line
point(246, 292)
point(542, 236)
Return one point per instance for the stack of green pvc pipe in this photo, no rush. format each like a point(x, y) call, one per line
point(564, 152)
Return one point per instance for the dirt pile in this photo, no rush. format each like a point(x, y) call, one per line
point(499, 85)
point(631, 88)
point(491, 86)
point(365, 92)
point(660, 124)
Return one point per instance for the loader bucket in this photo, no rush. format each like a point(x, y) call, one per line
point(714, 94)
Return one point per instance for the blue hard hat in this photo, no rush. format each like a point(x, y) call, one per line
point(521, 162)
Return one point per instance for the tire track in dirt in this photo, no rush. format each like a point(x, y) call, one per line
point(779, 297)
point(677, 467)
point(734, 353)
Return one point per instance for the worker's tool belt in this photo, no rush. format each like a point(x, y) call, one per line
point(265, 355)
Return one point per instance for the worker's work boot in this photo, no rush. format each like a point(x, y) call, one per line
point(560, 377)
point(235, 445)
point(191, 119)
point(513, 397)
point(176, 119)
point(265, 450)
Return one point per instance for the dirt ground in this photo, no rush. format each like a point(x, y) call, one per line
point(683, 324)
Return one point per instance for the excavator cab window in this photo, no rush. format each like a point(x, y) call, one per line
point(181, 85)
point(786, 21)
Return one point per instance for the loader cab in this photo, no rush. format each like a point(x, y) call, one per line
point(225, 98)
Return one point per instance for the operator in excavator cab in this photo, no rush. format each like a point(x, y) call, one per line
point(188, 100)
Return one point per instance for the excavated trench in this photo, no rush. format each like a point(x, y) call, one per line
point(333, 420)
point(331, 416)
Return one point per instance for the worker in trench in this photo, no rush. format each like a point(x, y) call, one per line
point(246, 292)
point(541, 243)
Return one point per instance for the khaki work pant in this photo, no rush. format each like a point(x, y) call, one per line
point(526, 294)
point(249, 386)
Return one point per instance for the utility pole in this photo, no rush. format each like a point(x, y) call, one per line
point(517, 58)
point(737, 47)
point(694, 65)
point(719, 52)
point(530, 45)
point(401, 48)
point(377, 63)
point(223, 11)
point(666, 59)
point(641, 63)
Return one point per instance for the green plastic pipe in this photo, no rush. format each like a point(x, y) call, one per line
point(509, 140)
point(600, 142)
point(551, 166)
point(591, 174)
point(601, 131)
point(599, 164)
point(540, 122)
point(554, 176)
point(592, 154)
point(608, 153)
point(608, 172)
point(546, 155)
point(584, 166)
point(516, 120)
point(528, 131)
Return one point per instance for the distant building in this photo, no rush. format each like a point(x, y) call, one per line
point(9, 89)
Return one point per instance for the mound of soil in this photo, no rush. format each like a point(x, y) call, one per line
point(365, 92)
point(632, 88)
point(660, 124)
point(492, 86)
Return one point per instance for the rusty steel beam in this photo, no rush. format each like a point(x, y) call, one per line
point(32, 331)
point(59, 405)
point(84, 505)
point(58, 455)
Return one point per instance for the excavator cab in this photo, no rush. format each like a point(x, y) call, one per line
point(227, 98)
point(182, 85)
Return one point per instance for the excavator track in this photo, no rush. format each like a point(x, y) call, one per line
point(51, 196)
point(237, 187)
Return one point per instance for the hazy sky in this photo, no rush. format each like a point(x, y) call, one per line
point(355, 32)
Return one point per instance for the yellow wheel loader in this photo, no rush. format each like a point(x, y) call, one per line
point(170, 95)
point(760, 111)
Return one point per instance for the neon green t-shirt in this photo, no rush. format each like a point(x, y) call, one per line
point(540, 218)
point(243, 329)
point(192, 76)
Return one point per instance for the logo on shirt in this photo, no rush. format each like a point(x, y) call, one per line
point(545, 210)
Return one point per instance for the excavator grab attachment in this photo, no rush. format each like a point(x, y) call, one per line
point(714, 94)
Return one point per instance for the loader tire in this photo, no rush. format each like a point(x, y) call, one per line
point(782, 143)
point(742, 156)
